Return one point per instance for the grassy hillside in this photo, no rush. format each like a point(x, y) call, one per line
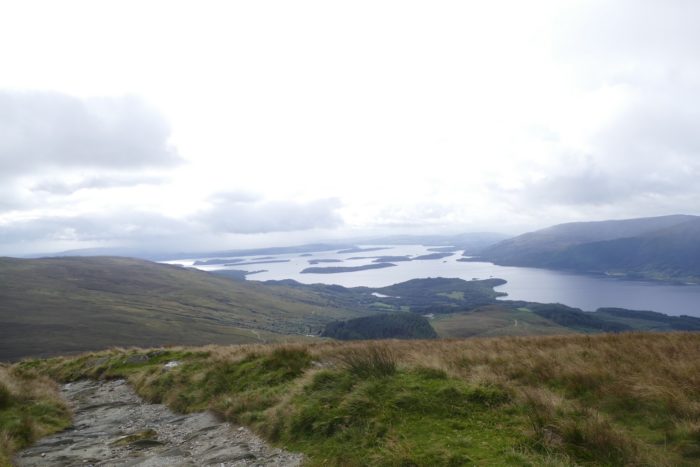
point(515, 318)
point(624, 399)
point(496, 320)
point(654, 248)
point(66, 305)
point(665, 254)
point(61, 305)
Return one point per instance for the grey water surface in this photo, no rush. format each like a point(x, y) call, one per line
point(537, 285)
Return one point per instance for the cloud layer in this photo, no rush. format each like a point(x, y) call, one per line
point(453, 117)
point(234, 213)
point(40, 132)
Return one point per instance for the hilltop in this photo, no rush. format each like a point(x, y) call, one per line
point(666, 248)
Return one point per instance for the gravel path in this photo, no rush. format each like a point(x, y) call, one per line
point(114, 427)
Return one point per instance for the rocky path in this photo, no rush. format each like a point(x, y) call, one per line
point(112, 426)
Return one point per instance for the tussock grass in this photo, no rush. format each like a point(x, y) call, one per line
point(30, 407)
point(624, 399)
point(369, 360)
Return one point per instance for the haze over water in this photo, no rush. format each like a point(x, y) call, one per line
point(530, 284)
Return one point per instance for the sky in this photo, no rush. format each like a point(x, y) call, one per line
point(225, 124)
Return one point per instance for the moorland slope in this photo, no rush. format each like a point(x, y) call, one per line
point(56, 306)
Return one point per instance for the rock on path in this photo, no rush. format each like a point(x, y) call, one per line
point(112, 426)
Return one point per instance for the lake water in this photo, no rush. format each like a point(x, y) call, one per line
point(536, 285)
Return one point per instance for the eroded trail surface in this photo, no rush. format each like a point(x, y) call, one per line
point(114, 427)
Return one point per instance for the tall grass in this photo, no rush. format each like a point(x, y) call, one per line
point(625, 399)
point(369, 360)
point(30, 407)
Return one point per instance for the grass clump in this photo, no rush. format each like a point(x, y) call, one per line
point(5, 396)
point(30, 408)
point(368, 361)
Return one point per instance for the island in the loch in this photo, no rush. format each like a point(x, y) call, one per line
point(433, 256)
point(339, 269)
point(358, 249)
point(215, 261)
point(391, 259)
point(259, 262)
point(319, 261)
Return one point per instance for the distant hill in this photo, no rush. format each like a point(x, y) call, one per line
point(61, 305)
point(654, 248)
point(154, 255)
point(470, 242)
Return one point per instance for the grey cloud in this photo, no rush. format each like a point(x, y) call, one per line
point(595, 187)
point(647, 157)
point(629, 41)
point(661, 124)
point(243, 216)
point(44, 131)
point(234, 197)
point(94, 227)
point(241, 213)
point(58, 187)
point(415, 215)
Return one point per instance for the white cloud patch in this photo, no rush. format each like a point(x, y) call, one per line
point(431, 118)
point(41, 132)
point(237, 213)
point(242, 213)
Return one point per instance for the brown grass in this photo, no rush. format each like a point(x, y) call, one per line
point(30, 407)
point(623, 399)
point(607, 399)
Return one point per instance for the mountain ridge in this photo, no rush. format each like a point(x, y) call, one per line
point(660, 248)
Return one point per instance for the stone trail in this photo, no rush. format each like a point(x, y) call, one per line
point(112, 426)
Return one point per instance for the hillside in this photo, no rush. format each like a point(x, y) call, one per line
point(668, 253)
point(66, 305)
point(653, 248)
point(62, 305)
point(620, 399)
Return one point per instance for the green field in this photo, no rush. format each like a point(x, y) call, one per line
point(495, 320)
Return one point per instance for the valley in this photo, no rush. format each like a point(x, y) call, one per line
point(59, 306)
point(432, 361)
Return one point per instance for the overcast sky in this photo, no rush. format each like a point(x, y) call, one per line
point(195, 125)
